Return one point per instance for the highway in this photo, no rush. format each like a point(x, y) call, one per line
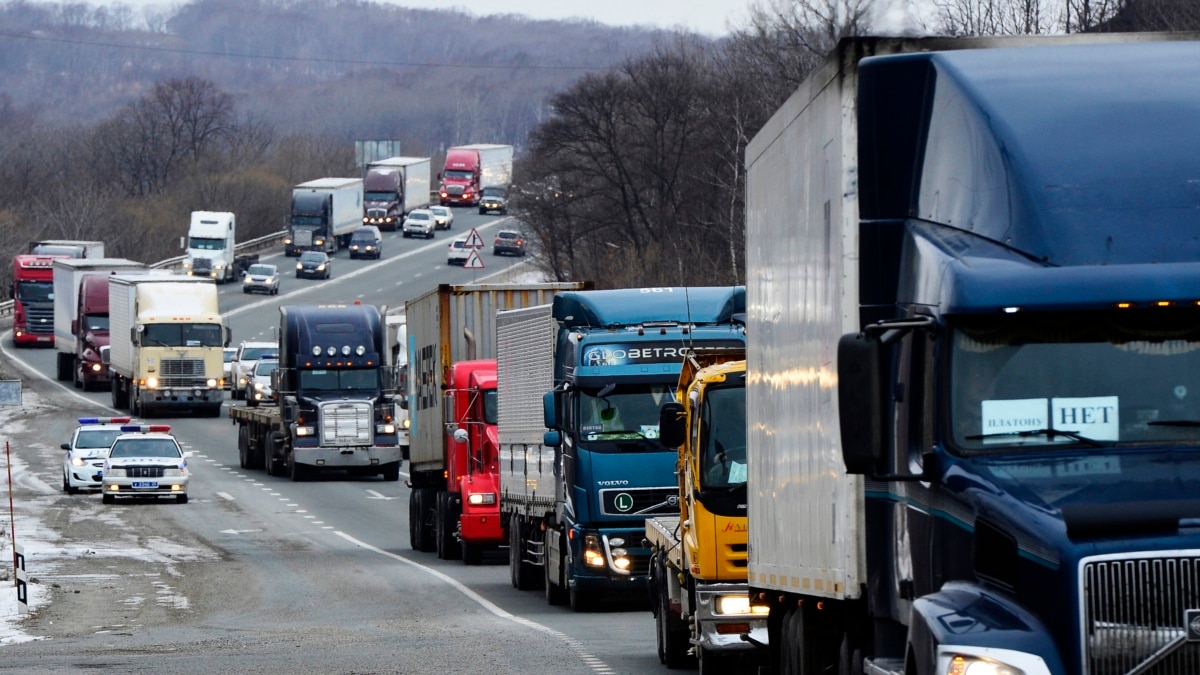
point(279, 576)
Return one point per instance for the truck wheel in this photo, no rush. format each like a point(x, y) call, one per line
point(243, 447)
point(552, 587)
point(391, 472)
point(65, 362)
point(715, 663)
point(271, 443)
point(472, 554)
point(296, 471)
point(420, 507)
point(582, 601)
point(672, 632)
point(447, 544)
point(77, 375)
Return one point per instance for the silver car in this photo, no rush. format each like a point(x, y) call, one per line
point(261, 278)
point(443, 216)
point(419, 222)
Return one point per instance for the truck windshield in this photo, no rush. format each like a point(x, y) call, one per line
point(35, 291)
point(207, 244)
point(183, 335)
point(459, 175)
point(1098, 379)
point(308, 220)
point(379, 196)
point(609, 418)
point(722, 430)
point(96, 322)
point(339, 380)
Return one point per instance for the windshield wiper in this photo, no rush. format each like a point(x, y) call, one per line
point(1048, 433)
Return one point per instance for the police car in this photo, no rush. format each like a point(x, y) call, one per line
point(145, 461)
point(86, 452)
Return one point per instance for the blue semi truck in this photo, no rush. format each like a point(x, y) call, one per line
point(973, 347)
point(580, 386)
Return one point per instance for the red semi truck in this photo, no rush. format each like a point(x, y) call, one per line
point(33, 300)
point(472, 456)
point(81, 317)
point(470, 168)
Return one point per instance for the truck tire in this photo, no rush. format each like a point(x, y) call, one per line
point(472, 554)
point(118, 400)
point(391, 472)
point(77, 375)
point(447, 543)
point(582, 601)
point(673, 634)
point(523, 575)
point(65, 363)
point(553, 587)
point(296, 471)
point(715, 663)
point(272, 444)
point(420, 530)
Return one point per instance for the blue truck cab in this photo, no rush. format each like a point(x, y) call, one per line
point(1022, 399)
point(617, 359)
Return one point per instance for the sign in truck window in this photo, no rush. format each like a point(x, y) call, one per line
point(1095, 417)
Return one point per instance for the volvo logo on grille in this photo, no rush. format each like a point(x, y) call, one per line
point(623, 502)
point(1191, 621)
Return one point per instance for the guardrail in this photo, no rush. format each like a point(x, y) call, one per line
point(252, 246)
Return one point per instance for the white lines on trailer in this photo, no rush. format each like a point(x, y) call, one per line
point(574, 645)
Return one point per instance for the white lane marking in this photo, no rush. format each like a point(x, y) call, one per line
point(376, 495)
point(573, 644)
point(226, 496)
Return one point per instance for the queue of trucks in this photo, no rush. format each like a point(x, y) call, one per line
point(81, 320)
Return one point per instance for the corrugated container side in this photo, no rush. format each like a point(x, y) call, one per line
point(120, 320)
point(805, 514)
point(525, 371)
point(442, 326)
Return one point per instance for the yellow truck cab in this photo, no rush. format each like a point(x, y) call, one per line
point(698, 568)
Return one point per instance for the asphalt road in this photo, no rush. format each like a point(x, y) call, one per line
point(260, 574)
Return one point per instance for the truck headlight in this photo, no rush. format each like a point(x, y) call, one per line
point(97, 367)
point(152, 383)
point(737, 604)
point(407, 424)
point(481, 498)
point(592, 555)
point(304, 431)
point(211, 382)
point(385, 428)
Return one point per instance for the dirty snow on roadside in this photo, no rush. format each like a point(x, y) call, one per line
point(46, 551)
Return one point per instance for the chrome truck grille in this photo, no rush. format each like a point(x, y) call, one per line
point(347, 423)
point(1141, 614)
point(182, 373)
point(40, 320)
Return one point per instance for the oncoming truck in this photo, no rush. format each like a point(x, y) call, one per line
point(166, 351)
point(324, 213)
point(81, 316)
point(975, 439)
point(335, 394)
point(581, 382)
point(698, 592)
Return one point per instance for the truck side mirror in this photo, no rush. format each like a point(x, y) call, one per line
point(74, 326)
point(552, 439)
point(183, 242)
point(861, 403)
point(460, 436)
point(550, 410)
point(104, 354)
point(672, 424)
point(133, 336)
point(228, 335)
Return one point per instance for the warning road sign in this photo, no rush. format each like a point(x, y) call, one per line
point(474, 240)
point(474, 262)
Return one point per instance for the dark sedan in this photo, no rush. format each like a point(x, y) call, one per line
point(314, 265)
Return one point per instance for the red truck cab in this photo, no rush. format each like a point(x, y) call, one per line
point(472, 456)
point(90, 328)
point(33, 300)
point(460, 178)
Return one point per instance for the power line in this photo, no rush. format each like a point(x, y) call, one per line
point(265, 57)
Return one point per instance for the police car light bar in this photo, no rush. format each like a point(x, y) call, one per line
point(143, 428)
point(104, 420)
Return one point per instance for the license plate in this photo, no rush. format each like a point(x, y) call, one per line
point(145, 483)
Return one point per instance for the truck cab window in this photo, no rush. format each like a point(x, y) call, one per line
point(627, 412)
point(723, 437)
